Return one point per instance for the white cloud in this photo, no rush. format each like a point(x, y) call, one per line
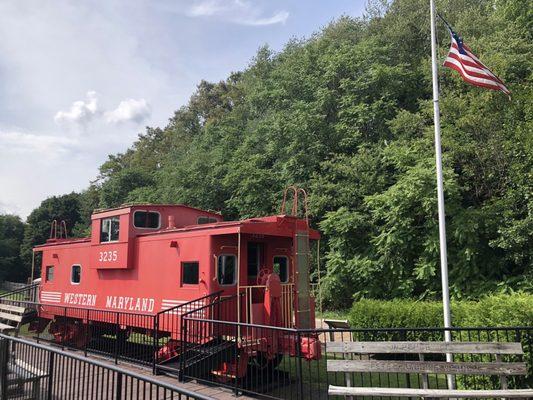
point(280, 17)
point(236, 11)
point(129, 110)
point(44, 145)
point(9, 208)
point(52, 52)
point(206, 8)
point(81, 111)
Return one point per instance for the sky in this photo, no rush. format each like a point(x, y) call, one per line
point(79, 80)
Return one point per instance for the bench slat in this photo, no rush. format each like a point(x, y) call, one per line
point(15, 309)
point(445, 393)
point(30, 368)
point(337, 323)
point(425, 347)
point(428, 367)
point(6, 328)
point(10, 317)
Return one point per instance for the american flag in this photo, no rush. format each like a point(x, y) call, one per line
point(471, 69)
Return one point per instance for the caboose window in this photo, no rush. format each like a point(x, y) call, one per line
point(189, 273)
point(49, 273)
point(109, 229)
point(254, 258)
point(146, 219)
point(75, 274)
point(206, 220)
point(281, 267)
point(227, 266)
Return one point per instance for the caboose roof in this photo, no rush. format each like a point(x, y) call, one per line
point(126, 208)
point(275, 225)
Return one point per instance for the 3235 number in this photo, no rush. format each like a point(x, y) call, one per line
point(108, 256)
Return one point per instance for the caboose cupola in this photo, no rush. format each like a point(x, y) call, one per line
point(114, 230)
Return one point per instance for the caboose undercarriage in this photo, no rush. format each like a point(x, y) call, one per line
point(205, 342)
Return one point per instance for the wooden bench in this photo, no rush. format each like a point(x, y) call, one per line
point(11, 317)
point(21, 373)
point(18, 374)
point(496, 368)
point(336, 324)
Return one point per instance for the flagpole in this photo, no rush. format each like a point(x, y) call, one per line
point(440, 191)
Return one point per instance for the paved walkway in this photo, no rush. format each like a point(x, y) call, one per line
point(83, 381)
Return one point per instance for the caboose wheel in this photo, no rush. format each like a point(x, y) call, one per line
point(71, 332)
point(262, 362)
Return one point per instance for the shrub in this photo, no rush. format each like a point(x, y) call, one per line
point(513, 310)
point(494, 311)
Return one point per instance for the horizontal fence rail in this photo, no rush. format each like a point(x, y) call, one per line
point(32, 371)
point(25, 293)
point(10, 286)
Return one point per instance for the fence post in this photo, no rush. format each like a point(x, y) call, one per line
point(50, 375)
point(118, 389)
point(156, 342)
point(117, 329)
point(403, 337)
point(4, 351)
point(64, 329)
point(38, 337)
point(236, 357)
point(299, 366)
point(87, 328)
point(183, 357)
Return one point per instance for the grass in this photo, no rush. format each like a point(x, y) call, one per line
point(316, 379)
point(336, 314)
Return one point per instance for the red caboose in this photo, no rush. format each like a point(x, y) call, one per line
point(146, 259)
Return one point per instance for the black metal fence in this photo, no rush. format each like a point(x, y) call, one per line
point(32, 371)
point(168, 324)
point(201, 340)
point(119, 335)
point(25, 293)
point(278, 363)
point(10, 286)
point(136, 337)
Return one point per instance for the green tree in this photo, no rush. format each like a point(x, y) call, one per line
point(11, 235)
point(37, 230)
point(347, 114)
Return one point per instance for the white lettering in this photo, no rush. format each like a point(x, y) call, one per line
point(125, 303)
point(108, 256)
point(129, 303)
point(82, 299)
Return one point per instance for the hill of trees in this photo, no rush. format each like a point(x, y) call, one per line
point(347, 114)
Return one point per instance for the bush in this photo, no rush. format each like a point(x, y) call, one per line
point(494, 311)
point(515, 310)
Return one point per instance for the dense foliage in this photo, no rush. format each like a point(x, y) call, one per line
point(496, 310)
point(347, 114)
point(38, 227)
point(11, 234)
